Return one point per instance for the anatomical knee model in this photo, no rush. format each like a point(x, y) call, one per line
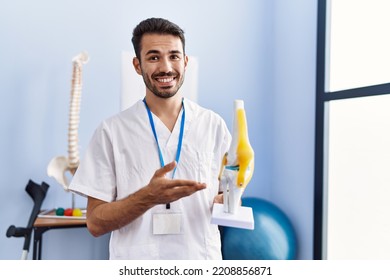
point(238, 163)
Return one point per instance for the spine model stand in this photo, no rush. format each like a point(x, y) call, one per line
point(238, 163)
point(60, 165)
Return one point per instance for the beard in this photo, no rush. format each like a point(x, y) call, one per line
point(164, 92)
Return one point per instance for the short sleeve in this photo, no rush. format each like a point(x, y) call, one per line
point(95, 175)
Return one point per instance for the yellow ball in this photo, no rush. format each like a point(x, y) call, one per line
point(77, 212)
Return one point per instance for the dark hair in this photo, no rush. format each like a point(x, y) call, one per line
point(155, 26)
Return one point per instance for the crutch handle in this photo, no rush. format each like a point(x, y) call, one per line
point(17, 231)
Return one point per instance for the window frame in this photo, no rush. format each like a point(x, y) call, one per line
point(323, 97)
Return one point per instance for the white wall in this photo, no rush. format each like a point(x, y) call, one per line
point(258, 51)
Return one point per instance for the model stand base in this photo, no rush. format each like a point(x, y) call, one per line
point(243, 218)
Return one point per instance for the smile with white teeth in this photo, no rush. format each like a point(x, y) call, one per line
point(165, 80)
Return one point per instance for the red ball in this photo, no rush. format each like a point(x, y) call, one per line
point(68, 212)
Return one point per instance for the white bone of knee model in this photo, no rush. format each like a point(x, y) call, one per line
point(58, 166)
point(238, 163)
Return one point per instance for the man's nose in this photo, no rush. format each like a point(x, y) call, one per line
point(165, 65)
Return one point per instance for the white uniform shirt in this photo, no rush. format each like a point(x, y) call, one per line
point(122, 158)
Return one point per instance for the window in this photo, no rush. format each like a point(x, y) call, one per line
point(352, 180)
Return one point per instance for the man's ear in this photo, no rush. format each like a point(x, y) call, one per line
point(137, 65)
point(185, 62)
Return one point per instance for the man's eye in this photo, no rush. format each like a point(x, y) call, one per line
point(175, 57)
point(153, 58)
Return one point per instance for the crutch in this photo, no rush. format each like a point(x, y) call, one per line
point(37, 193)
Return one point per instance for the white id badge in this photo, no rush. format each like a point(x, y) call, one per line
point(167, 223)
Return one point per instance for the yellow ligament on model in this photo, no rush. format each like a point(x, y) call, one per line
point(224, 162)
point(245, 153)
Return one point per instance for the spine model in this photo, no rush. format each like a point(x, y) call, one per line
point(59, 166)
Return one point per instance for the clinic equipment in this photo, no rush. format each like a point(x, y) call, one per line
point(235, 174)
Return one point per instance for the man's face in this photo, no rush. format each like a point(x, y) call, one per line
point(162, 64)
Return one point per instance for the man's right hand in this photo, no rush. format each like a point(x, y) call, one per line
point(162, 190)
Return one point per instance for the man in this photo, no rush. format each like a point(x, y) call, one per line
point(151, 172)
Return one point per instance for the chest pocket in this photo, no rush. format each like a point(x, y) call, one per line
point(204, 162)
point(209, 171)
point(201, 167)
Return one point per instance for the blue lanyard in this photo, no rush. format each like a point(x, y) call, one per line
point(155, 136)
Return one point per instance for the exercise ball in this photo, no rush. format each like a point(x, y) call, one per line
point(273, 237)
